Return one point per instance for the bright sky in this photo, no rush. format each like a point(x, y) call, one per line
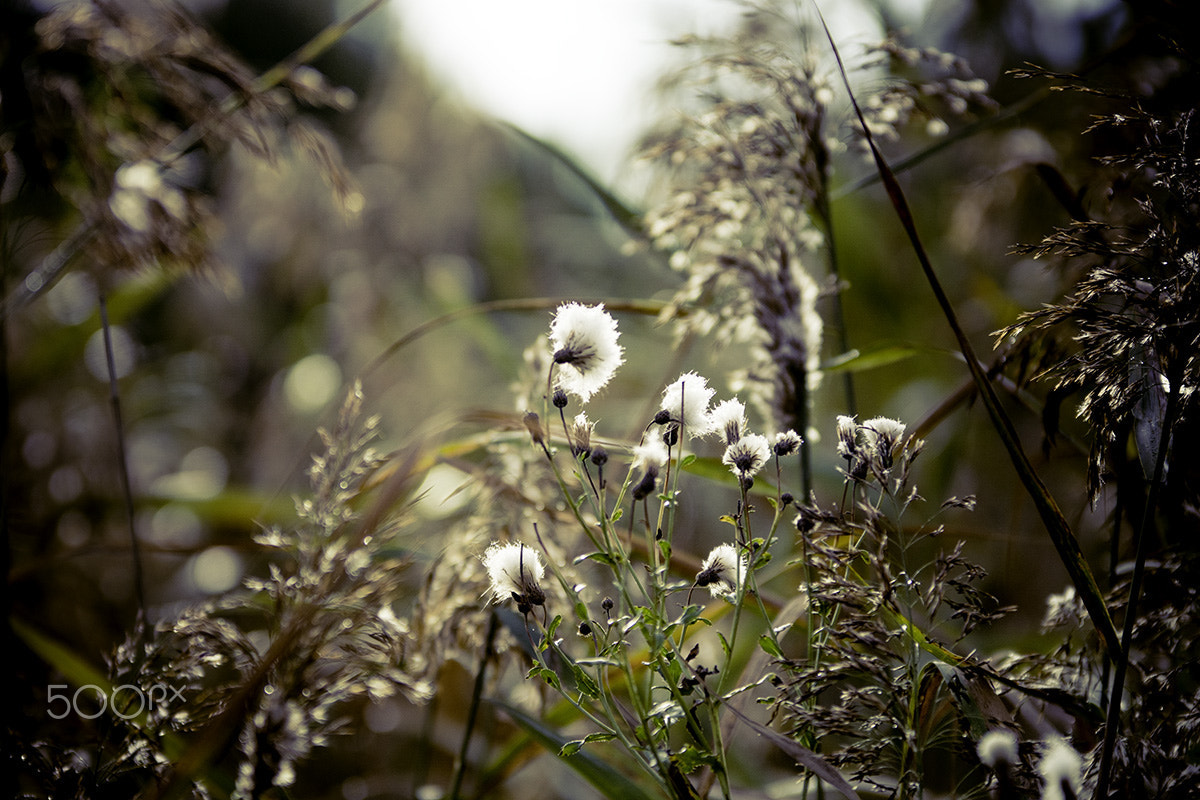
point(577, 72)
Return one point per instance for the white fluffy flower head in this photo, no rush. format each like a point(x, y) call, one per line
point(884, 435)
point(996, 747)
point(1060, 764)
point(515, 572)
point(723, 572)
point(686, 400)
point(747, 455)
point(585, 350)
point(787, 443)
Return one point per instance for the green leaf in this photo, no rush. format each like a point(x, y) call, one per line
point(606, 779)
point(584, 683)
point(710, 468)
point(603, 558)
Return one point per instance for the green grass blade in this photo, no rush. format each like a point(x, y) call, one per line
point(1056, 524)
point(607, 780)
point(79, 672)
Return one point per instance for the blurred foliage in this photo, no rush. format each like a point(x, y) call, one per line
point(254, 274)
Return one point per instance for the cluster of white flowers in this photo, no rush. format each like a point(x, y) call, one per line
point(585, 355)
point(868, 446)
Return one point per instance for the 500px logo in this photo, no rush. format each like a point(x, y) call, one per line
point(126, 701)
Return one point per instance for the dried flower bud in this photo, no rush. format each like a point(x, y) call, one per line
point(533, 424)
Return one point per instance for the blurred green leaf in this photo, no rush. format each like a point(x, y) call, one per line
point(880, 355)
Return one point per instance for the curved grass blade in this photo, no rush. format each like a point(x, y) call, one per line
point(80, 672)
point(1056, 524)
point(603, 776)
point(807, 758)
point(626, 217)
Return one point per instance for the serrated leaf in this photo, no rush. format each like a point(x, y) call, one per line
point(690, 758)
point(769, 647)
point(575, 745)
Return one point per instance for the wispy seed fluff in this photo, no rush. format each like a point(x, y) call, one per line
point(747, 455)
point(650, 456)
point(581, 434)
point(585, 350)
point(686, 401)
point(728, 418)
point(515, 573)
point(723, 572)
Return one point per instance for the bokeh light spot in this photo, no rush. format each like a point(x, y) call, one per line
point(216, 570)
point(312, 382)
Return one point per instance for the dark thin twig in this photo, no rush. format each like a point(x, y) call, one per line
point(1052, 517)
point(1112, 723)
point(460, 768)
point(114, 397)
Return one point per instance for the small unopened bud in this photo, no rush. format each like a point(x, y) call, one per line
point(585, 629)
point(645, 487)
point(786, 498)
point(599, 456)
point(559, 398)
point(607, 604)
point(662, 418)
point(534, 425)
point(671, 436)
